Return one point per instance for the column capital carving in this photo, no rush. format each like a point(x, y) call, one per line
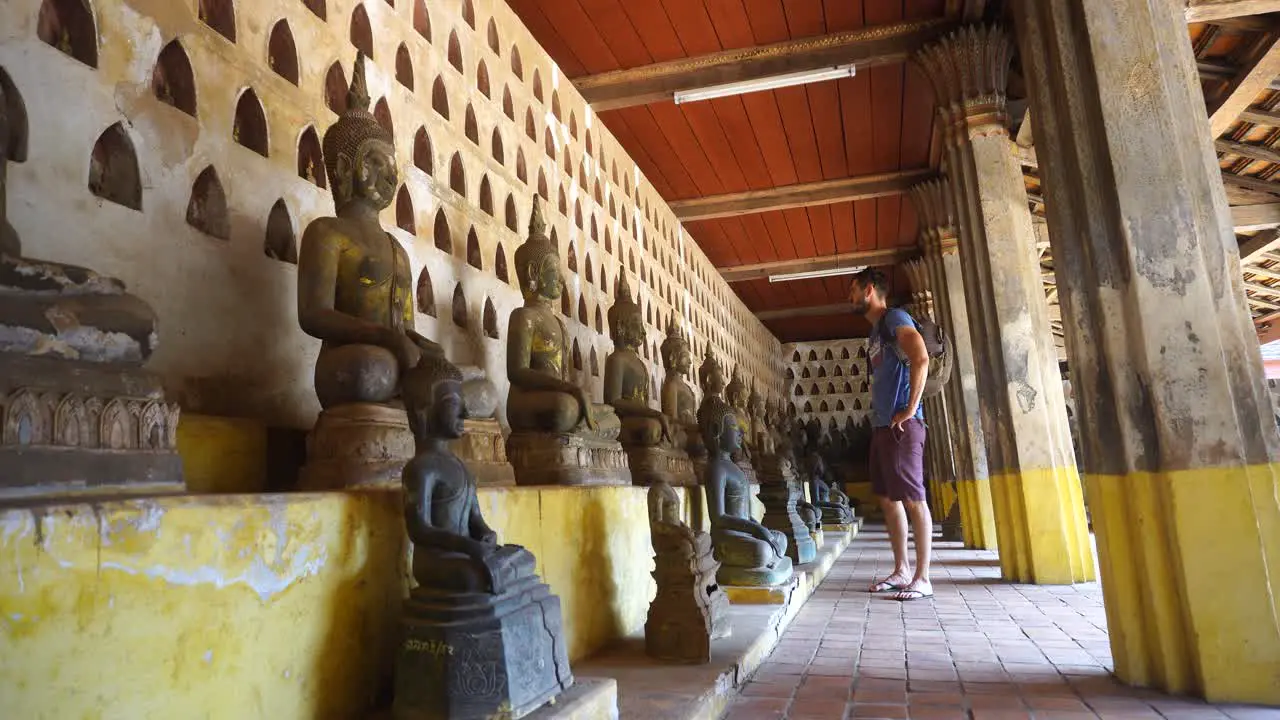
point(969, 71)
point(936, 211)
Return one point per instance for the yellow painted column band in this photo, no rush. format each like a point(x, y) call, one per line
point(978, 519)
point(1041, 528)
point(1192, 561)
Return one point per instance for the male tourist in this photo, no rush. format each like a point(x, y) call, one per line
point(899, 366)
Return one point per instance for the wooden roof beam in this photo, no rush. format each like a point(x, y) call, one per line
point(867, 258)
point(863, 48)
point(1252, 249)
point(825, 192)
point(1248, 218)
point(1244, 88)
point(811, 311)
point(1211, 10)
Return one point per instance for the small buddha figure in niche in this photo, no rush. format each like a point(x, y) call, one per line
point(678, 402)
point(542, 399)
point(750, 554)
point(760, 443)
point(626, 379)
point(355, 285)
point(833, 503)
point(453, 548)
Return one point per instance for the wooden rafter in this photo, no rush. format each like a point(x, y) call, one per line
point(1244, 88)
point(864, 48)
point(825, 192)
point(866, 258)
point(1251, 183)
point(1211, 10)
point(1248, 218)
point(1254, 248)
point(1253, 152)
point(811, 311)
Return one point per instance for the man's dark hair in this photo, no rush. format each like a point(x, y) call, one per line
point(872, 277)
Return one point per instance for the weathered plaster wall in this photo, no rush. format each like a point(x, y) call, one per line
point(267, 606)
point(229, 338)
point(828, 381)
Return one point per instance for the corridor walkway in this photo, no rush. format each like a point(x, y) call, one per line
point(981, 649)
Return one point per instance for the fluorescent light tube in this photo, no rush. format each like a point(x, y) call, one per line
point(767, 83)
point(811, 274)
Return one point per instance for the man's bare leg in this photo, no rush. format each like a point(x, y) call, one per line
point(922, 528)
point(895, 520)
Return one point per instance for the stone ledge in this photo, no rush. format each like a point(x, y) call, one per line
point(590, 698)
point(655, 691)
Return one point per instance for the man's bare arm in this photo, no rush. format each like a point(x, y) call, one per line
point(912, 345)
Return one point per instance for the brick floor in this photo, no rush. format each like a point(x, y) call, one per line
point(980, 650)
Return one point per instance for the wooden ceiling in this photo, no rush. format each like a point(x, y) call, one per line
point(778, 177)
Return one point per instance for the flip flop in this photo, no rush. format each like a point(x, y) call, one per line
point(909, 595)
point(884, 586)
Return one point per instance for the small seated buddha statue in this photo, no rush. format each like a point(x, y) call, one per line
point(785, 437)
point(761, 443)
point(355, 284)
point(689, 610)
point(626, 379)
point(833, 504)
point(736, 394)
point(474, 596)
point(678, 402)
point(750, 554)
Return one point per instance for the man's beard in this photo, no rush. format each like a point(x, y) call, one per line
point(860, 306)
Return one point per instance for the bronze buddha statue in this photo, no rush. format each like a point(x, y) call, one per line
point(626, 379)
point(355, 284)
point(678, 401)
point(833, 504)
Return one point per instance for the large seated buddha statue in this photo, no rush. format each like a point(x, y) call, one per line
point(79, 413)
point(558, 436)
point(678, 401)
point(750, 554)
point(478, 606)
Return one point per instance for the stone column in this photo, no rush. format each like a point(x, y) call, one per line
point(1179, 442)
point(935, 208)
point(1039, 511)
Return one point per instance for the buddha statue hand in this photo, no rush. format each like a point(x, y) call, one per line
point(400, 344)
point(588, 416)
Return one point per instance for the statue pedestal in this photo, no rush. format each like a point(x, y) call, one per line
point(364, 445)
point(484, 450)
point(689, 610)
point(554, 459)
point(358, 445)
point(779, 492)
point(480, 655)
point(76, 428)
point(762, 594)
point(654, 461)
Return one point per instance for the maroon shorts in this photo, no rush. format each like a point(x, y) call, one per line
point(897, 461)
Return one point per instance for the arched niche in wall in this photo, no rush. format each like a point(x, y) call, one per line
point(549, 143)
point(220, 15)
point(857, 404)
point(459, 307)
point(207, 208)
point(577, 213)
point(311, 157)
point(572, 260)
point(587, 269)
point(573, 125)
point(517, 67)
point(382, 113)
point(822, 372)
point(848, 387)
point(282, 54)
point(537, 85)
point(455, 52)
point(853, 370)
point(595, 235)
point(599, 320)
point(335, 88)
point(565, 308)
point(441, 234)
point(317, 8)
point(361, 33)
point(113, 169)
point(494, 42)
point(838, 371)
point(831, 389)
point(490, 320)
point(422, 155)
point(844, 353)
point(805, 374)
point(404, 211)
point(482, 79)
point(562, 204)
point(280, 242)
point(827, 355)
point(595, 361)
point(486, 196)
point(172, 80)
point(813, 356)
point(404, 67)
point(555, 105)
point(474, 258)
point(250, 128)
point(421, 19)
point(457, 175)
point(426, 294)
point(608, 242)
point(469, 14)
point(577, 356)
point(508, 107)
point(582, 310)
point(512, 218)
point(791, 375)
point(470, 128)
point(589, 145)
point(500, 264)
point(496, 150)
point(530, 125)
point(440, 98)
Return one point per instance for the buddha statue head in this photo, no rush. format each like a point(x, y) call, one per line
point(664, 504)
point(712, 375)
point(537, 261)
point(736, 392)
point(676, 357)
point(626, 321)
point(433, 398)
point(359, 153)
point(721, 429)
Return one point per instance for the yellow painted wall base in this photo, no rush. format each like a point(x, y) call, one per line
point(1191, 570)
point(977, 517)
point(1041, 527)
point(222, 455)
point(268, 606)
point(775, 595)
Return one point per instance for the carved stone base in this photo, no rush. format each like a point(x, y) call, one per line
point(551, 459)
point(71, 428)
point(689, 610)
point(780, 492)
point(480, 656)
point(648, 463)
point(358, 445)
point(780, 574)
point(484, 450)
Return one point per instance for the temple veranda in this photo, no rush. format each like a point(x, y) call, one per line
point(477, 360)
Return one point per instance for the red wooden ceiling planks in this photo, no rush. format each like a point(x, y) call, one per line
point(592, 52)
point(557, 46)
point(771, 137)
point(689, 152)
point(824, 103)
point(842, 227)
point(793, 102)
point(805, 18)
point(768, 21)
point(736, 126)
point(654, 27)
point(608, 16)
point(665, 159)
point(843, 15)
point(693, 27)
point(731, 24)
point(710, 136)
